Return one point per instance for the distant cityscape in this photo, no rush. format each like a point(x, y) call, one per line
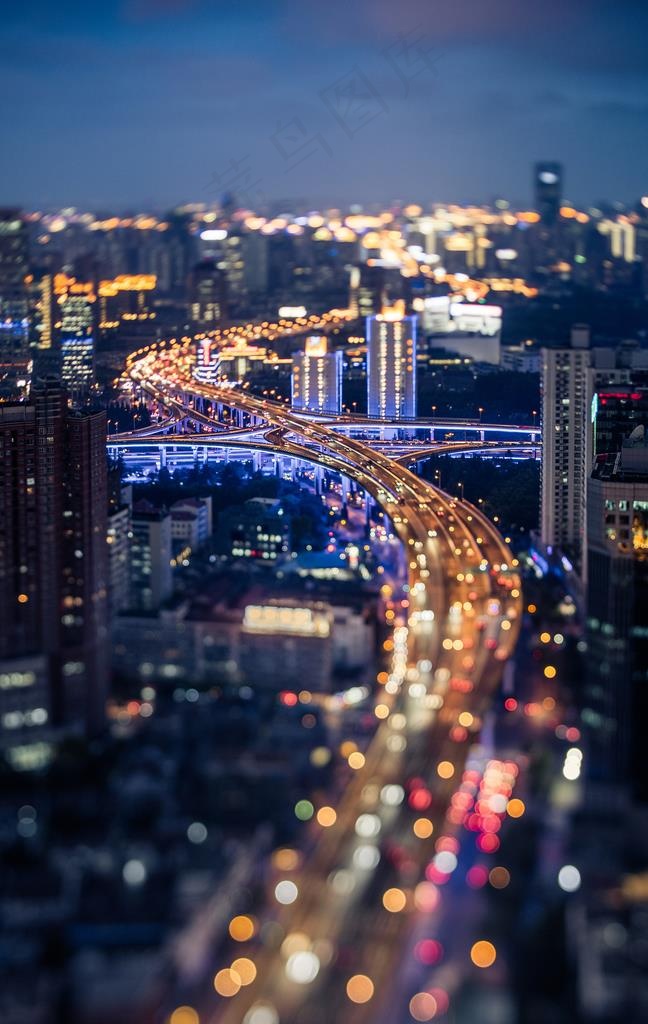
point(324, 613)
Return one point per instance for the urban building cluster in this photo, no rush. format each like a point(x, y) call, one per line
point(195, 644)
point(80, 290)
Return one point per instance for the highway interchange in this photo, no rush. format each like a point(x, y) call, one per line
point(370, 874)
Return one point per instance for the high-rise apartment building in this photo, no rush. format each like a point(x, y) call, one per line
point(564, 382)
point(256, 262)
point(119, 535)
point(75, 330)
point(616, 413)
point(14, 303)
point(40, 288)
point(317, 378)
point(575, 383)
point(181, 251)
point(84, 592)
point(14, 267)
point(53, 559)
point(391, 364)
point(615, 697)
point(125, 306)
point(207, 296)
point(119, 538)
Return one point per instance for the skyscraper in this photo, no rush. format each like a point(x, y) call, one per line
point(207, 296)
point(616, 412)
point(125, 306)
point(53, 558)
point(615, 697)
point(85, 569)
point(575, 426)
point(14, 301)
point(181, 250)
point(40, 287)
point(317, 378)
point(548, 185)
point(391, 364)
point(256, 262)
point(76, 331)
point(564, 456)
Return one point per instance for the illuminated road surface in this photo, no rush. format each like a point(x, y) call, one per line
point(366, 881)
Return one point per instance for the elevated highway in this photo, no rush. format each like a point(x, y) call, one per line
point(364, 877)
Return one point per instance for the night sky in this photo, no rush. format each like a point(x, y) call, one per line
point(146, 103)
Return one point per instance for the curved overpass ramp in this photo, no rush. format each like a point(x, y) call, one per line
point(442, 679)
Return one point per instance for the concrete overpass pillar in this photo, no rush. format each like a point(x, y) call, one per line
point(163, 456)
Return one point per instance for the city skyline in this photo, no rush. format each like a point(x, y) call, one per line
point(468, 101)
point(324, 513)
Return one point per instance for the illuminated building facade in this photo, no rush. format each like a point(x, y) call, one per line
point(119, 538)
point(282, 645)
point(40, 286)
point(317, 378)
point(191, 520)
point(564, 382)
point(53, 557)
point(14, 302)
point(207, 296)
point(616, 684)
point(616, 414)
point(521, 358)
point(14, 265)
point(125, 304)
point(208, 361)
point(469, 329)
point(257, 530)
point(391, 364)
point(577, 426)
point(76, 329)
point(238, 360)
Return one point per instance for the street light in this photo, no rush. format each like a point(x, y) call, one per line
point(481, 411)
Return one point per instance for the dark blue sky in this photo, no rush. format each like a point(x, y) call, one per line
point(155, 102)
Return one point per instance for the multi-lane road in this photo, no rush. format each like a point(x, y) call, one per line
point(370, 872)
